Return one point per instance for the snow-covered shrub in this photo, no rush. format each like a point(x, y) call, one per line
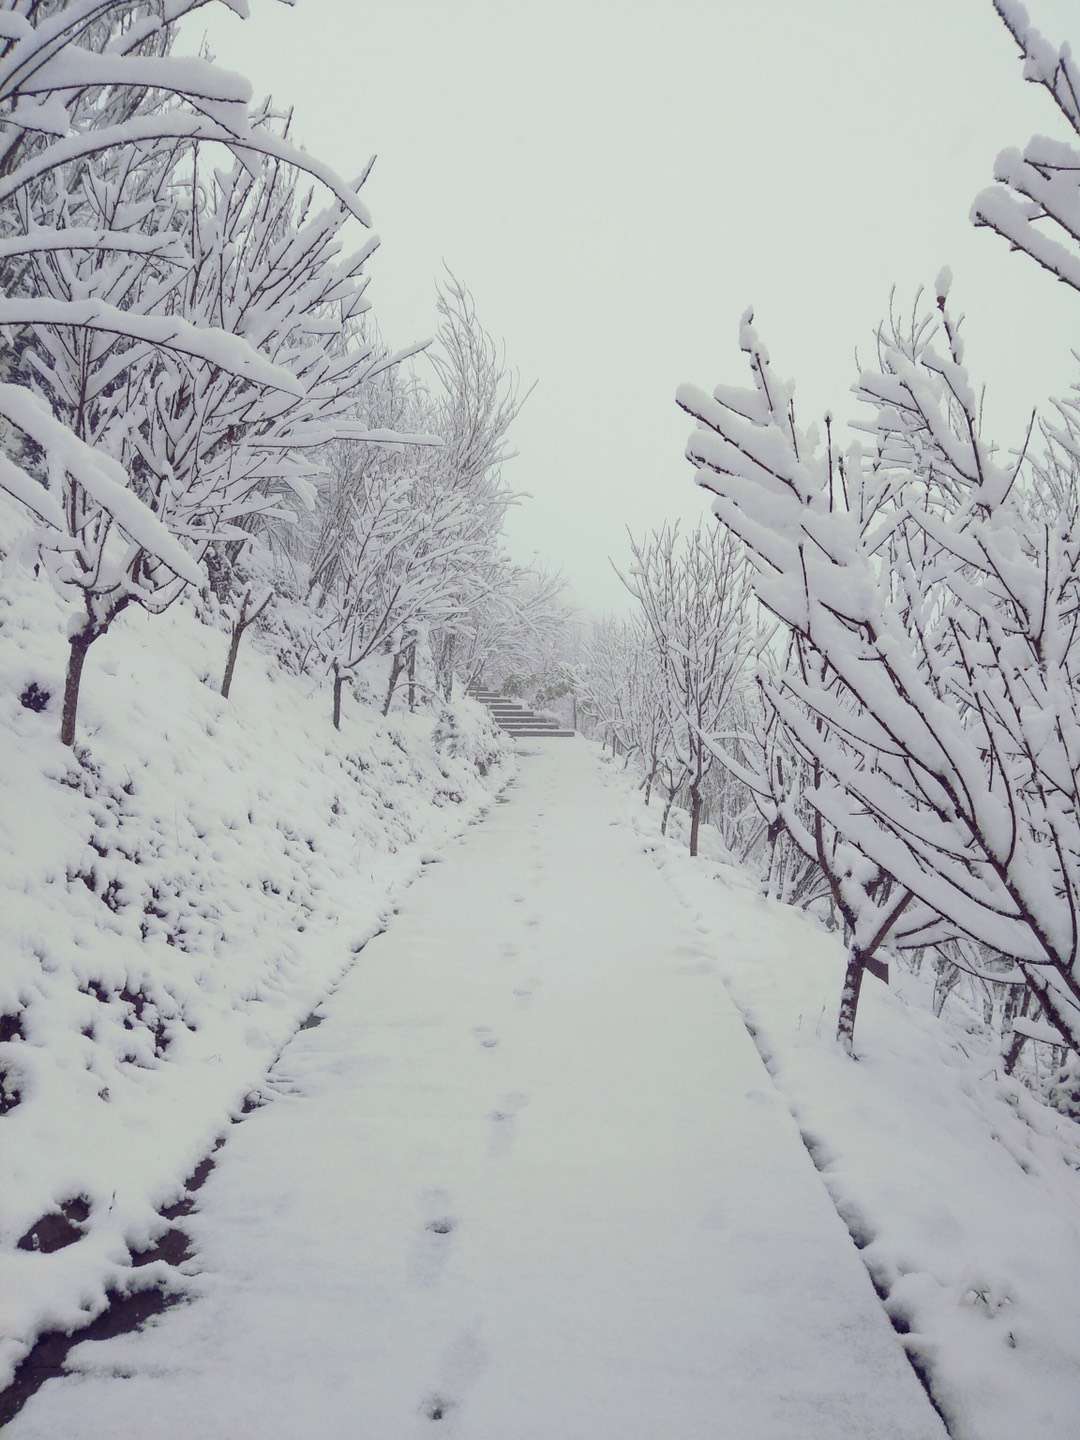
point(1064, 1091)
point(465, 731)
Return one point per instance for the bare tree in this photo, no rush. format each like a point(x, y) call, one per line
point(694, 594)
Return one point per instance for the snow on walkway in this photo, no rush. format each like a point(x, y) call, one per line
point(528, 1181)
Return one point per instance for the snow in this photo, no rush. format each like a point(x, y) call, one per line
point(964, 1190)
point(528, 1178)
point(177, 895)
point(1036, 1030)
point(96, 472)
point(230, 353)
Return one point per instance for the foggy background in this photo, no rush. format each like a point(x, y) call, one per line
point(616, 181)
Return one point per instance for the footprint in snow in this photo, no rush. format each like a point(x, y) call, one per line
point(504, 1122)
point(486, 1036)
point(437, 1406)
point(464, 1361)
point(431, 1247)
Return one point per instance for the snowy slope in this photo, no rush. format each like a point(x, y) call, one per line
point(174, 899)
point(962, 1189)
point(528, 1180)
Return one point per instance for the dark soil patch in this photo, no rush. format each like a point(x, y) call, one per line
point(11, 1028)
point(56, 1230)
point(174, 1247)
point(195, 1181)
point(46, 1361)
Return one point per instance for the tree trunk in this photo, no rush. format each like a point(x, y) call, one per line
point(339, 682)
point(1016, 1042)
point(649, 785)
point(945, 982)
point(772, 834)
point(849, 999)
point(412, 677)
point(245, 618)
point(80, 643)
point(667, 809)
point(230, 662)
point(446, 680)
point(395, 671)
point(695, 818)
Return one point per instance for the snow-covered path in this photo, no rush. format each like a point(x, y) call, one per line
point(528, 1181)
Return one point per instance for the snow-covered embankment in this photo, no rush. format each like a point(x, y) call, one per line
point(960, 1187)
point(175, 897)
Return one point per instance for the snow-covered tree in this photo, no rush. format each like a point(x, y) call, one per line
point(694, 596)
point(941, 711)
point(514, 636)
point(477, 400)
point(141, 363)
point(1035, 204)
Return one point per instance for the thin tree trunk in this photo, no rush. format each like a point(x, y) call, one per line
point(395, 671)
point(339, 682)
point(230, 662)
point(859, 958)
point(447, 680)
point(849, 999)
point(773, 831)
point(243, 620)
point(649, 784)
point(695, 818)
point(1016, 1041)
point(80, 643)
point(667, 809)
point(412, 677)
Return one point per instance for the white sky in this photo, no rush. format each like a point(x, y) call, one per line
point(616, 180)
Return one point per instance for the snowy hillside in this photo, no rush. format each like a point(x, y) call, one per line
point(178, 893)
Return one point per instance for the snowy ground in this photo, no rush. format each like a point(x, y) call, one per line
point(529, 1178)
point(962, 1188)
point(174, 899)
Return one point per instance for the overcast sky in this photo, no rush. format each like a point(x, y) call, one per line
point(616, 180)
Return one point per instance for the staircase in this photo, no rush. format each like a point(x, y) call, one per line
point(516, 719)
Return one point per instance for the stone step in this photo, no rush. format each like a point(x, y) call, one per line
point(516, 719)
point(539, 734)
point(530, 725)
